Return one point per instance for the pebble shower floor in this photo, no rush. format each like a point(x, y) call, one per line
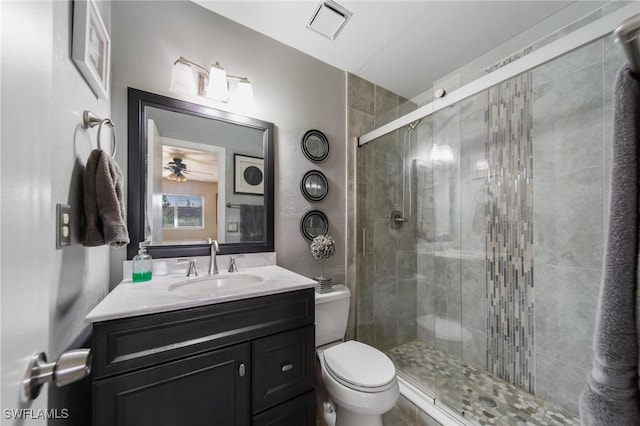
point(486, 400)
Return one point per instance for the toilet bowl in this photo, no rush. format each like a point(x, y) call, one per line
point(359, 380)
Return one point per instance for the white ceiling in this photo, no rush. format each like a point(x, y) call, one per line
point(403, 46)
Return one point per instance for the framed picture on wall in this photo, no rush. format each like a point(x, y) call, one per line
point(248, 177)
point(91, 49)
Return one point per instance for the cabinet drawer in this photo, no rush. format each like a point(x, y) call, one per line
point(283, 366)
point(300, 411)
point(132, 343)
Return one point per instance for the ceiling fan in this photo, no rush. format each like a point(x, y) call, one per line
point(179, 173)
point(178, 170)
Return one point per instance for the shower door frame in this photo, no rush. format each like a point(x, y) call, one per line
point(591, 32)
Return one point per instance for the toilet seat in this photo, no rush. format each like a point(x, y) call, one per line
point(360, 367)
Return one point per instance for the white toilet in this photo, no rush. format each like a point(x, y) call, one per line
point(359, 379)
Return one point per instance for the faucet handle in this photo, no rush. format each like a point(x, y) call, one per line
point(192, 266)
point(232, 263)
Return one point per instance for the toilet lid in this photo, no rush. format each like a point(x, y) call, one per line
point(359, 364)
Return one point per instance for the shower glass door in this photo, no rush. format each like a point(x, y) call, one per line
point(444, 323)
point(409, 262)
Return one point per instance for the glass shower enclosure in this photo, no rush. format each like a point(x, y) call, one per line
point(480, 237)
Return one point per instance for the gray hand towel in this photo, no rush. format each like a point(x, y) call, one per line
point(251, 223)
point(611, 396)
point(92, 222)
point(104, 202)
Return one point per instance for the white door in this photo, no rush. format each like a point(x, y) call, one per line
point(26, 216)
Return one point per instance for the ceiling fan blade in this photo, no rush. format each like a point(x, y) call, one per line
point(196, 171)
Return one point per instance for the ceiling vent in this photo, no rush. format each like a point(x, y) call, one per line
point(329, 19)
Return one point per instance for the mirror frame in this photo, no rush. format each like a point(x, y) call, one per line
point(138, 101)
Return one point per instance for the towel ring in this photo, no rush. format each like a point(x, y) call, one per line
point(89, 119)
point(109, 123)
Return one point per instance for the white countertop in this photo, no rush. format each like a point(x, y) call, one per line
point(130, 299)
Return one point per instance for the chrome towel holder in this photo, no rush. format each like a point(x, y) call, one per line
point(628, 33)
point(90, 120)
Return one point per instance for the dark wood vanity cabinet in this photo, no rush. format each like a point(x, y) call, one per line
point(244, 362)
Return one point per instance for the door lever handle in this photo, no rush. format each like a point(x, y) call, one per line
point(70, 367)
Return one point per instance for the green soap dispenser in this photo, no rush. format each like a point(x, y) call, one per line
point(142, 265)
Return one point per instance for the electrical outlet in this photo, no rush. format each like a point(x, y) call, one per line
point(63, 225)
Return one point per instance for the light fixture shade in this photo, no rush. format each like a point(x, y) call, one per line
point(218, 88)
point(244, 94)
point(441, 154)
point(182, 80)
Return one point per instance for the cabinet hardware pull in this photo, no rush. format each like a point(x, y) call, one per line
point(241, 370)
point(286, 367)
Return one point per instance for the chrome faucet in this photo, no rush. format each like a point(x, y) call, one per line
point(213, 264)
point(192, 266)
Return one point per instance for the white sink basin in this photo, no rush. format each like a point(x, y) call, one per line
point(213, 285)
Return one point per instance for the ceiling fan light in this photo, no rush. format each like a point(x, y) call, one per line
point(172, 176)
point(218, 88)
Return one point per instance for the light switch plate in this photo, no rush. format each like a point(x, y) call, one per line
point(63, 225)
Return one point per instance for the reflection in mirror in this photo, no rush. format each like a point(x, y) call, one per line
point(314, 223)
point(182, 186)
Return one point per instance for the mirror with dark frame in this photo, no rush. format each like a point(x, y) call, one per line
point(315, 146)
point(314, 186)
point(195, 172)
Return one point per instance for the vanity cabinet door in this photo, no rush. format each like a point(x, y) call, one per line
point(283, 367)
point(206, 389)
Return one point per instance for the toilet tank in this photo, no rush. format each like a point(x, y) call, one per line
point(332, 311)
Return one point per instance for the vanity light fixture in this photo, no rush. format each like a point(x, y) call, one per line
point(212, 83)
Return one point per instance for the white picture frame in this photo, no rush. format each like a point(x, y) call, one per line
point(91, 47)
point(248, 183)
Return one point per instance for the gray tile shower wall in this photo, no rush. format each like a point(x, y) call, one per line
point(572, 133)
point(385, 290)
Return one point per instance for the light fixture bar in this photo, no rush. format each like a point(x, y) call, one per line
point(185, 61)
point(212, 83)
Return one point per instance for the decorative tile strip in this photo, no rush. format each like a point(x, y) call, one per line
point(509, 236)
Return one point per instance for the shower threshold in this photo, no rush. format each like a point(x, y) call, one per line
point(479, 397)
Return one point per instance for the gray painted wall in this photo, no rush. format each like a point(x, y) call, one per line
point(291, 89)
